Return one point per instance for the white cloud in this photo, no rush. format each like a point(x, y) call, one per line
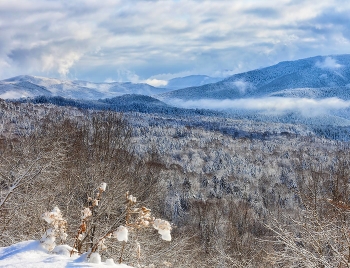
point(168, 76)
point(124, 75)
point(309, 107)
point(14, 95)
point(65, 63)
point(226, 73)
point(156, 82)
point(242, 86)
point(328, 63)
point(109, 80)
point(60, 63)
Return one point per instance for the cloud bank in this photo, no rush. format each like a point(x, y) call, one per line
point(94, 40)
point(275, 105)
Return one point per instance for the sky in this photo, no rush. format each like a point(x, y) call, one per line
point(156, 40)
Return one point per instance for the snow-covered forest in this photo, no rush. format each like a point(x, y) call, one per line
point(237, 192)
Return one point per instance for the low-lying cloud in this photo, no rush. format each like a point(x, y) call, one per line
point(14, 95)
point(328, 63)
point(156, 82)
point(308, 107)
point(242, 86)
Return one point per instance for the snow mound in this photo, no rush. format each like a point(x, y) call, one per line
point(32, 254)
point(121, 233)
point(163, 228)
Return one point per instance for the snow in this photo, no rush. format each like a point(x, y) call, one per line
point(163, 227)
point(121, 233)
point(58, 224)
point(95, 258)
point(52, 216)
point(103, 186)
point(132, 198)
point(85, 213)
point(32, 254)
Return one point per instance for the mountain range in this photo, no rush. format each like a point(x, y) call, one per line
point(310, 91)
point(31, 86)
point(316, 77)
point(191, 81)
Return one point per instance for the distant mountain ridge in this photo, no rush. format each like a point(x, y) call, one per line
point(316, 77)
point(124, 103)
point(32, 86)
point(191, 81)
point(320, 77)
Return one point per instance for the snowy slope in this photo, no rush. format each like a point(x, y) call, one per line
point(31, 254)
point(21, 89)
point(191, 81)
point(330, 74)
point(30, 86)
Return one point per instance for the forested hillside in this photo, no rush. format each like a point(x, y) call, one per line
point(239, 193)
point(315, 77)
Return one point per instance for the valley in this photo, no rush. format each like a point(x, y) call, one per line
point(241, 189)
